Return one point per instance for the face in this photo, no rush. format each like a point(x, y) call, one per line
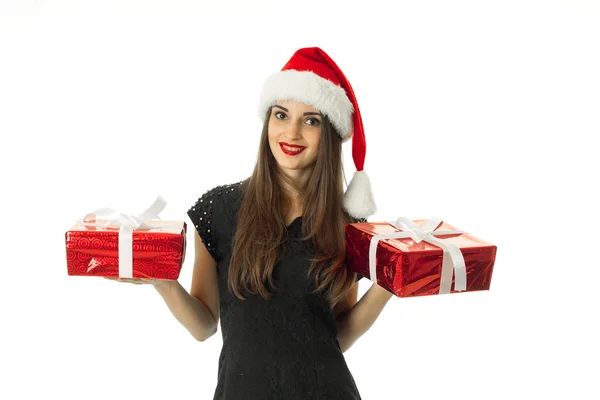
point(294, 136)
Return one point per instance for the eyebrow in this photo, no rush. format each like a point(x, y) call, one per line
point(306, 113)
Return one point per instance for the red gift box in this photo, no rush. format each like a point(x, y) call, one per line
point(109, 243)
point(157, 253)
point(412, 266)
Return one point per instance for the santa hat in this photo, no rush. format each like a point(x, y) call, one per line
point(312, 77)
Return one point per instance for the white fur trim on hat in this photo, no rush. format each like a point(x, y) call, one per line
point(309, 88)
point(358, 199)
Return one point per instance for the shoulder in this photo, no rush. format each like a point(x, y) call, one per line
point(229, 190)
point(226, 192)
point(212, 213)
point(218, 200)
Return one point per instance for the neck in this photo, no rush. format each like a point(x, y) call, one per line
point(299, 179)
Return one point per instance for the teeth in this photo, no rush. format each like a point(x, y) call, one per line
point(295, 150)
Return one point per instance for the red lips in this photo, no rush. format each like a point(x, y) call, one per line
point(298, 150)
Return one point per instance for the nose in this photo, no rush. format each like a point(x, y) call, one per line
point(294, 132)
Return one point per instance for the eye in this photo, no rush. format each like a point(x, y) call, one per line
point(276, 113)
point(317, 122)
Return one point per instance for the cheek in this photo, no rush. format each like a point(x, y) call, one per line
point(315, 141)
point(272, 143)
point(271, 133)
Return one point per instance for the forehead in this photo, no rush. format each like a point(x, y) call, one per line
point(296, 106)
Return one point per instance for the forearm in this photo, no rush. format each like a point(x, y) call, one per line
point(188, 310)
point(356, 321)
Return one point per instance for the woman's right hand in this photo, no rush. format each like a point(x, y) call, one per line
point(140, 281)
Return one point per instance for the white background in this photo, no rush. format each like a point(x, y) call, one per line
point(482, 113)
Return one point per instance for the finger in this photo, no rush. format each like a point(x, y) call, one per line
point(136, 281)
point(118, 279)
point(128, 280)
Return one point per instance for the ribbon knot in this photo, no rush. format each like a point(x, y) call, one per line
point(113, 219)
point(419, 236)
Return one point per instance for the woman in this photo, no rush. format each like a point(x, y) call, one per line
point(269, 260)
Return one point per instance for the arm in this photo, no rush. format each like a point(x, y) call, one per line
point(197, 311)
point(192, 313)
point(358, 319)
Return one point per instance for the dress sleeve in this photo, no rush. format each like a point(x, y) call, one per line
point(203, 215)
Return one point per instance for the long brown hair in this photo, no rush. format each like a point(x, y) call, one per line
point(261, 228)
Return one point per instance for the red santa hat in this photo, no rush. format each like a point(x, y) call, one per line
point(312, 77)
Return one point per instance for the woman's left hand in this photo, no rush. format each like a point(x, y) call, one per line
point(382, 293)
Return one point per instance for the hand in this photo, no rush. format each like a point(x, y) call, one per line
point(381, 293)
point(136, 281)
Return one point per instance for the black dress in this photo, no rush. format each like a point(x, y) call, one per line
point(282, 348)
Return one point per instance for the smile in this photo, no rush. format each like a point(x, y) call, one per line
point(291, 150)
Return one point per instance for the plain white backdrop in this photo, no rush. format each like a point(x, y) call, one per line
point(483, 113)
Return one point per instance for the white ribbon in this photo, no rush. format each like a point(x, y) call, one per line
point(452, 260)
point(127, 224)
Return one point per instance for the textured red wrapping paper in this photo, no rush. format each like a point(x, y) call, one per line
point(157, 253)
point(406, 268)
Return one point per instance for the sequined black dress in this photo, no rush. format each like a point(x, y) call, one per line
point(282, 348)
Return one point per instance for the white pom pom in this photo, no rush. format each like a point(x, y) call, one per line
point(358, 200)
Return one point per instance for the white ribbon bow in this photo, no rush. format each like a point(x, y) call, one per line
point(127, 224)
point(452, 260)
